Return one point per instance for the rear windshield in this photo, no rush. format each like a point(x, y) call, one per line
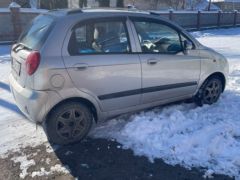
point(37, 32)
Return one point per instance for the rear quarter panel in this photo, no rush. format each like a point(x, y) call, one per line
point(52, 74)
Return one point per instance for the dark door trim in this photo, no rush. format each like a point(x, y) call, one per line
point(146, 90)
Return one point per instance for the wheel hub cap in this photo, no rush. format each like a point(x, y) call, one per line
point(70, 124)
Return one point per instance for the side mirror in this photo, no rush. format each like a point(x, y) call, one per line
point(188, 45)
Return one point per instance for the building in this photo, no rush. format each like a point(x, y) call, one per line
point(5, 3)
point(227, 5)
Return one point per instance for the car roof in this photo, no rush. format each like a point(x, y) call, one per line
point(122, 11)
point(113, 10)
point(103, 12)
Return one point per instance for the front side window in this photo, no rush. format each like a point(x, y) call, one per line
point(157, 38)
point(99, 38)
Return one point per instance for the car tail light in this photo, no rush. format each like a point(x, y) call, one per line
point(32, 62)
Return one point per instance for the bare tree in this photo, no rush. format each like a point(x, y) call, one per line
point(180, 4)
point(23, 3)
point(120, 3)
point(183, 4)
point(104, 3)
point(53, 4)
point(82, 3)
point(176, 4)
point(193, 4)
point(209, 5)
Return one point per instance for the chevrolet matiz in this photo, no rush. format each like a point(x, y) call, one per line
point(72, 68)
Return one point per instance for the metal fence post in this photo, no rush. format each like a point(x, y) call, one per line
point(219, 18)
point(199, 20)
point(235, 18)
point(171, 15)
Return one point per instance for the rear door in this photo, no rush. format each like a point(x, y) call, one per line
point(30, 40)
point(100, 62)
point(168, 72)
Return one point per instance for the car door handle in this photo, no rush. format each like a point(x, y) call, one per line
point(152, 61)
point(79, 67)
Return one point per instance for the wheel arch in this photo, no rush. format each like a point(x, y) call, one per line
point(80, 100)
point(219, 75)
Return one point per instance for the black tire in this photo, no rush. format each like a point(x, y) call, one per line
point(68, 123)
point(210, 91)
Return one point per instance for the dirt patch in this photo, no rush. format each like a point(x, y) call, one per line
point(40, 169)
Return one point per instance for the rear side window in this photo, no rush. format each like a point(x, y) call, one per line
point(37, 32)
point(99, 38)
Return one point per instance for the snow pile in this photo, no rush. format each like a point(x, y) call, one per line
point(206, 137)
point(184, 134)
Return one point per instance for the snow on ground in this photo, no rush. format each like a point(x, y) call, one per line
point(4, 54)
point(15, 130)
point(24, 165)
point(53, 169)
point(206, 137)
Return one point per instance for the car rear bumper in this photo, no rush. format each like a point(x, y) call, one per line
point(32, 103)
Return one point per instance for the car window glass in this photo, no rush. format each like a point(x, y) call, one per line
point(157, 38)
point(81, 34)
point(36, 32)
point(99, 37)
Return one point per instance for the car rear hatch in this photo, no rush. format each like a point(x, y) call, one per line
point(30, 42)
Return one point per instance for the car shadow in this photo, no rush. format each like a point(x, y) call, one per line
point(10, 106)
point(103, 159)
point(5, 86)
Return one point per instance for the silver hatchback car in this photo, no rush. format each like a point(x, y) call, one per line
point(71, 68)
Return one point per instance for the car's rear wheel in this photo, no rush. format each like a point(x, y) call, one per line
point(210, 91)
point(69, 123)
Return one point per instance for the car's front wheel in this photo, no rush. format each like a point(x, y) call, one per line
point(210, 91)
point(69, 123)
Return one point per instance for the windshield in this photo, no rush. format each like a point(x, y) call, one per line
point(36, 32)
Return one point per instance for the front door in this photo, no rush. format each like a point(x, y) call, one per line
point(167, 71)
